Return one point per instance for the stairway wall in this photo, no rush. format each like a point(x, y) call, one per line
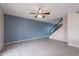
point(61, 33)
point(58, 35)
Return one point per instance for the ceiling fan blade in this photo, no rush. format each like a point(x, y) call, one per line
point(43, 16)
point(47, 13)
point(35, 16)
point(32, 13)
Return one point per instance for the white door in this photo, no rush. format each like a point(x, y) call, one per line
point(1, 29)
point(73, 29)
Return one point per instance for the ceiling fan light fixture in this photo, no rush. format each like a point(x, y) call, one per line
point(39, 16)
point(40, 13)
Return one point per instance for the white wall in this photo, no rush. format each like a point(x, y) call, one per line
point(73, 29)
point(1, 29)
point(61, 33)
point(58, 35)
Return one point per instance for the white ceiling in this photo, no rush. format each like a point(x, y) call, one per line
point(57, 10)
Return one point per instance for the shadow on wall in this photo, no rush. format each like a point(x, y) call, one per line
point(17, 28)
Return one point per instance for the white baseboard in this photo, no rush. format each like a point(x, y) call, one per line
point(1, 47)
point(24, 40)
point(73, 43)
point(58, 40)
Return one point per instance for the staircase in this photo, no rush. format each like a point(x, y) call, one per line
point(56, 26)
point(57, 31)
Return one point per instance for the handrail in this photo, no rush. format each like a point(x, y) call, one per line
point(56, 24)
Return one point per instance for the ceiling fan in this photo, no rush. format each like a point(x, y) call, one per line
point(40, 13)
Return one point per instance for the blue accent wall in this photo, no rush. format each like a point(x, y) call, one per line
point(18, 28)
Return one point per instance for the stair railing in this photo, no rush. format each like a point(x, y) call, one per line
point(53, 29)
